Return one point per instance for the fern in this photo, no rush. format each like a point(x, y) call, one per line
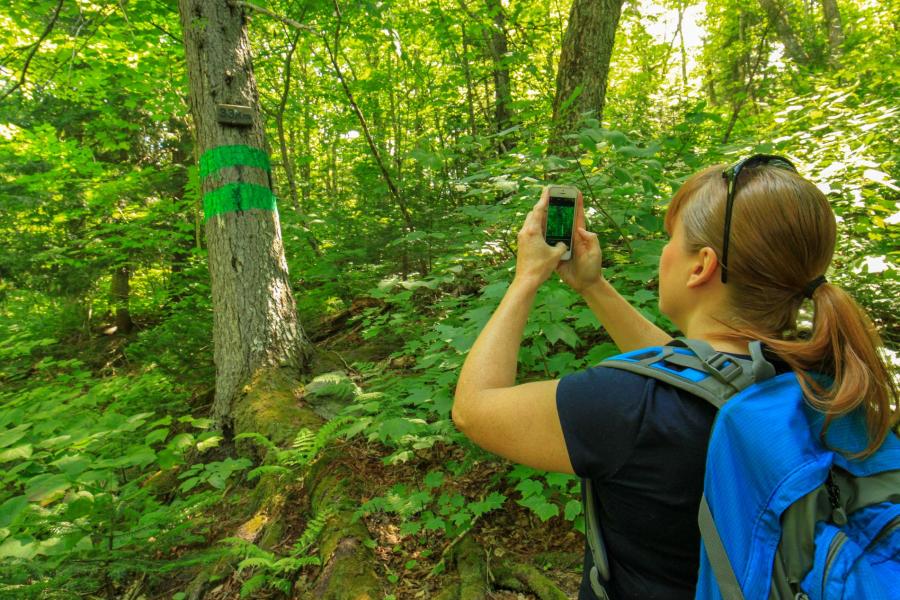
point(304, 442)
point(308, 445)
point(253, 585)
point(259, 438)
point(313, 528)
point(256, 562)
point(266, 469)
point(275, 572)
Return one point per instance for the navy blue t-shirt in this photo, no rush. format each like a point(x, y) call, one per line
point(643, 444)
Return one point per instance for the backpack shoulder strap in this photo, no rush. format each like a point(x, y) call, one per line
point(694, 366)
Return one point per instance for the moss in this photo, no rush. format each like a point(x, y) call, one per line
point(349, 576)
point(472, 570)
point(271, 535)
point(348, 572)
point(270, 405)
point(533, 579)
point(451, 592)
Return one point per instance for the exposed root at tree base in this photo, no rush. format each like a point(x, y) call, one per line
point(525, 578)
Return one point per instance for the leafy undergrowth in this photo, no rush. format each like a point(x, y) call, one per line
point(428, 505)
point(419, 565)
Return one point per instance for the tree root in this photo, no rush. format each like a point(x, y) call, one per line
point(521, 577)
point(269, 405)
point(472, 568)
point(475, 579)
point(347, 572)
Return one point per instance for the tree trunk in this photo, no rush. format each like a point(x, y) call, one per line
point(470, 92)
point(182, 155)
point(762, 53)
point(119, 290)
point(499, 48)
point(684, 81)
point(835, 31)
point(583, 66)
point(778, 19)
point(255, 323)
point(286, 160)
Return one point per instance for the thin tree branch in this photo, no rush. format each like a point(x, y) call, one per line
point(34, 50)
point(741, 100)
point(266, 11)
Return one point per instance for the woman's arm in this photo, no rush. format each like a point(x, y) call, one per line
point(518, 422)
point(627, 327)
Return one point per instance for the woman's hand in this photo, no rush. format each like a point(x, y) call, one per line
point(536, 259)
point(584, 269)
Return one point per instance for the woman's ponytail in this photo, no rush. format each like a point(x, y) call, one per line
point(844, 344)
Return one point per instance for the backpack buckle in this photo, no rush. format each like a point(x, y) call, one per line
point(718, 368)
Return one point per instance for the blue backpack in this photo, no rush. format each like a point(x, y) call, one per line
point(783, 515)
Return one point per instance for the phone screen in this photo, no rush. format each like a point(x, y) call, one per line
point(560, 218)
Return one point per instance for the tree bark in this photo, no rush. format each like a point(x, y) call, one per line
point(279, 122)
point(499, 48)
point(470, 93)
point(583, 66)
point(255, 323)
point(684, 81)
point(778, 19)
point(119, 290)
point(835, 31)
point(305, 165)
point(762, 52)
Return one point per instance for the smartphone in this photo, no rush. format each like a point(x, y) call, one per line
point(561, 217)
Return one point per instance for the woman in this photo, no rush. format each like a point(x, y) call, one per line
point(746, 245)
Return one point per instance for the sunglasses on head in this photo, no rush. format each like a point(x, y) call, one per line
point(731, 174)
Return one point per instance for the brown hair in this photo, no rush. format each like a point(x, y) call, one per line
point(782, 238)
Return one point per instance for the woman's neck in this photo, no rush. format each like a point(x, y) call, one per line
point(717, 334)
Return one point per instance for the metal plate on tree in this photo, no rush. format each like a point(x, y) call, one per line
point(234, 114)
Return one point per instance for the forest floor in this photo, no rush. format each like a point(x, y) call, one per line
point(511, 535)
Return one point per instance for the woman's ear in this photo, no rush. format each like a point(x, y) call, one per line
point(705, 267)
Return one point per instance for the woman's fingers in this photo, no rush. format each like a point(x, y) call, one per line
point(579, 212)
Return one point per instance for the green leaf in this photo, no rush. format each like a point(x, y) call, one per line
point(253, 585)
point(46, 488)
point(601, 352)
point(395, 428)
point(539, 505)
point(157, 435)
point(19, 547)
point(492, 502)
point(560, 331)
point(11, 436)
point(559, 480)
point(434, 479)
point(19, 452)
point(530, 487)
point(561, 363)
point(410, 527)
point(573, 509)
point(267, 469)
point(189, 484)
point(435, 523)
point(73, 464)
point(209, 442)
point(11, 509)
